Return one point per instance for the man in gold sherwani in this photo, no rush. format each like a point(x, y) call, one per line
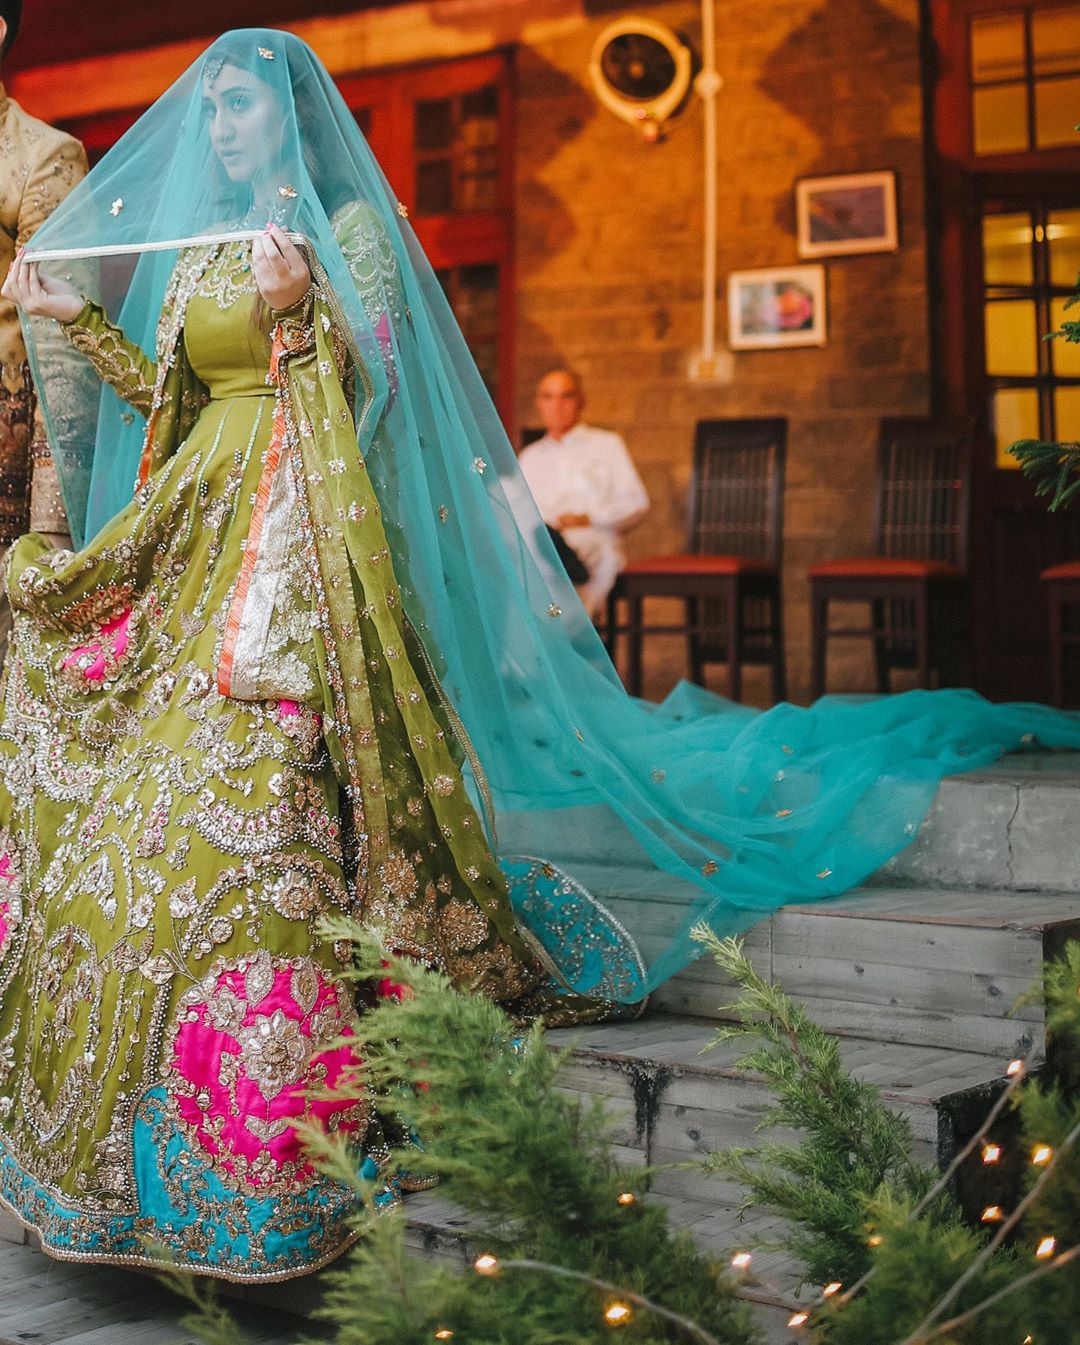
point(38, 167)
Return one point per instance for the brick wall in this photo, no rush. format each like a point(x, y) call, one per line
point(609, 240)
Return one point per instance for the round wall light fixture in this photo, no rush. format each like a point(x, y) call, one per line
point(642, 72)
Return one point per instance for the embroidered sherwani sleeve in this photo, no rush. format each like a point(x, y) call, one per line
point(46, 186)
point(118, 361)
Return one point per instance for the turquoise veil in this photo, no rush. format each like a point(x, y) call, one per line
point(635, 819)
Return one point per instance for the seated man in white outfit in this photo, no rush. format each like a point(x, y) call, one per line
point(584, 484)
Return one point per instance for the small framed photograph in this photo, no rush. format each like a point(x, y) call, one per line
point(841, 216)
point(771, 309)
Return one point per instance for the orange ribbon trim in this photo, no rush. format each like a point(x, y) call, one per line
point(258, 517)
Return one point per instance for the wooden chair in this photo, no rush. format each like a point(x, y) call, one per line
point(730, 572)
point(1063, 595)
point(916, 584)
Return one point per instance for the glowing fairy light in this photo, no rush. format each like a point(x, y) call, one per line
point(1042, 1153)
point(444, 1333)
point(1014, 1068)
point(1045, 1248)
point(992, 1214)
point(799, 1319)
point(741, 1261)
point(617, 1314)
point(991, 1153)
point(626, 1198)
point(486, 1264)
point(874, 1240)
point(830, 1289)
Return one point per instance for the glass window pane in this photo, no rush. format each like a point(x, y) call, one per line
point(1055, 40)
point(997, 48)
point(1063, 235)
point(1011, 337)
point(1001, 120)
point(1007, 249)
point(434, 187)
point(1066, 354)
point(1067, 414)
point(1057, 112)
point(434, 125)
point(1014, 414)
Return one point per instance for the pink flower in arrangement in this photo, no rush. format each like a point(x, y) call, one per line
point(258, 1041)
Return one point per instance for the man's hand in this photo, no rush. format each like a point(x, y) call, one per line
point(40, 296)
point(282, 275)
point(572, 521)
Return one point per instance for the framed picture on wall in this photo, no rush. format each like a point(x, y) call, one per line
point(841, 216)
point(774, 308)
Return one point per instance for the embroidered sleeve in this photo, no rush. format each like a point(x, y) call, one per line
point(47, 184)
point(369, 253)
point(117, 360)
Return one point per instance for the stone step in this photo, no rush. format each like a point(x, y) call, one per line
point(1011, 826)
point(670, 1103)
point(910, 965)
point(1008, 827)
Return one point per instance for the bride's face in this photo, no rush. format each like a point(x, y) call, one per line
point(244, 121)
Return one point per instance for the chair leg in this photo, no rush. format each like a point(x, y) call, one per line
point(922, 638)
point(878, 611)
point(819, 636)
point(635, 604)
point(611, 628)
point(735, 651)
point(779, 671)
point(693, 641)
point(1057, 647)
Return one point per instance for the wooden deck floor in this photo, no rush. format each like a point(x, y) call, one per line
point(47, 1302)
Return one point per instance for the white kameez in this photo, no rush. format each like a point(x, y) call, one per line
point(588, 471)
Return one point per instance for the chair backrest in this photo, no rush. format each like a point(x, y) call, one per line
point(923, 489)
point(737, 490)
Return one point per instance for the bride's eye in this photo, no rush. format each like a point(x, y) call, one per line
point(239, 102)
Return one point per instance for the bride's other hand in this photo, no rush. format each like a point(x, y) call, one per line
point(280, 271)
point(40, 296)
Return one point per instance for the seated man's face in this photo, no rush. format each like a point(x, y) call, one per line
point(559, 403)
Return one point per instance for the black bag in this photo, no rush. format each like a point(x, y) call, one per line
point(572, 562)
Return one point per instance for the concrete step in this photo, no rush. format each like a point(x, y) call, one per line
point(1011, 826)
point(909, 965)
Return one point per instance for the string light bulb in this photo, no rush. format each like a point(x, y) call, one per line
point(992, 1214)
point(617, 1314)
point(799, 1319)
point(874, 1240)
point(486, 1264)
point(741, 1261)
point(991, 1153)
point(1042, 1153)
point(1014, 1068)
point(830, 1289)
point(626, 1198)
point(1045, 1248)
point(444, 1333)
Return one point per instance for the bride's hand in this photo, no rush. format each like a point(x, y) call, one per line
point(282, 275)
point(40, 296)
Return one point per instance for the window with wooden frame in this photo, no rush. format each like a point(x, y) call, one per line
point(1025, 78)
point(444, 137)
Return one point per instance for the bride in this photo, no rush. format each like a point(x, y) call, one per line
point(323, 659)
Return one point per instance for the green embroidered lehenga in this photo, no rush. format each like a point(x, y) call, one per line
point(191, 774)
